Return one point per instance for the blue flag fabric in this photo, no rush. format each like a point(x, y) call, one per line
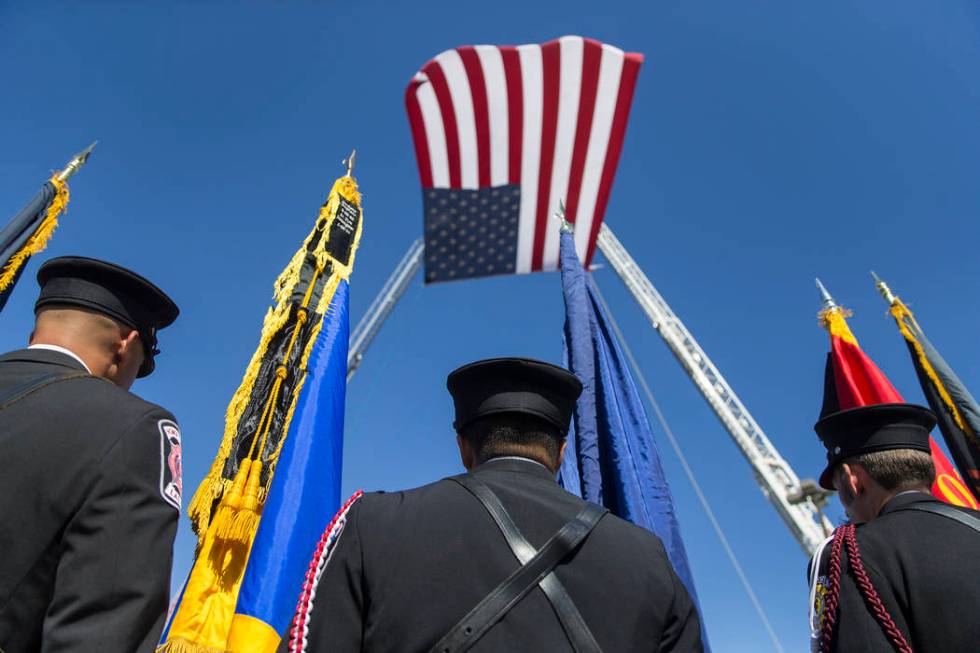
point(611, 457)
point(305, 490)
point(16, 233)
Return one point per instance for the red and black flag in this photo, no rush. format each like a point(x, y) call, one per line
point(955, 408)
point(853, 380)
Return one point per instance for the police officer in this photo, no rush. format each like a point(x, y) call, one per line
point(905, 574)
point(500, 558)
point(91, 482)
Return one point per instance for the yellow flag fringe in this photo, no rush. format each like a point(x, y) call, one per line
point(39, 239)
point(835, 321)
point(899, 311)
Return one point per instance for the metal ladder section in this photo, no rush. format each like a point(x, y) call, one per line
point(775, 477)
point(383, 305)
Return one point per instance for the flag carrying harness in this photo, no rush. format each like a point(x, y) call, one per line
point(19, 392)
point(537, 569)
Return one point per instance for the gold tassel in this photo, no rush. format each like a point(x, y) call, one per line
point(236, 521)
point(834, 320)
point(39, 239)
point(898, 311)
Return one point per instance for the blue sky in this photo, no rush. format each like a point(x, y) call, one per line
point(769, 142)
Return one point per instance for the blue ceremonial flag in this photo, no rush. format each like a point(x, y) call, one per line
point(611, 457)
point(305, 489)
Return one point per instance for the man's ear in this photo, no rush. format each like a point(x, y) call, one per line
point(466, 454)
point(127, 346)
point(561, 453)
point(853, 477)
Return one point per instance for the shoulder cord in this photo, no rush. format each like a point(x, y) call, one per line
point(833, 591)
point(847, 534)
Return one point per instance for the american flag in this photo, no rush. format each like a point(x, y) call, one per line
point(502, 135)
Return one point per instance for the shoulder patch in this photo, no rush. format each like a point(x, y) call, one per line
point(171, 471)
point(818, 592)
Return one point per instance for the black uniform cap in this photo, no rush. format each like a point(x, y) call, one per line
point(514, 385)
point(110, 290)
point(878, 427)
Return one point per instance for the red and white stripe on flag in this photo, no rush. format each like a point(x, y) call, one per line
point(549, 119)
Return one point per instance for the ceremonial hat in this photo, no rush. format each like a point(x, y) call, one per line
point(864, 429)
point(111, 290)
point(514, 385)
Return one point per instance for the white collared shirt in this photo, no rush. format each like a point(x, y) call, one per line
point(517, 458)
point(63, 351)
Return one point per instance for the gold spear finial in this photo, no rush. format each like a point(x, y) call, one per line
point(76, 162)
point(566, 226)
point(828, 301)
point(883, 288)
point(349, 162)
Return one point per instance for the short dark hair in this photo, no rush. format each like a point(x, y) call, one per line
point(897, 469)
point(514, 434)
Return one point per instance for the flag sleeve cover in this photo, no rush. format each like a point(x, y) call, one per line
point(28, 233)
point(859, 382)
point(502, 134)
point(276, 478)
point(956, 410)
point(611, 457)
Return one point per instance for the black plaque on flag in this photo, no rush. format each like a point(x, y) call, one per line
point(340, 240)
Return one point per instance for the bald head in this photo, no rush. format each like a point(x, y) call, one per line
point(109, 348)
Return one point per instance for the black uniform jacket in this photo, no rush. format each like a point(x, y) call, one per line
point(409, 565)
point(926, 569)
point(86, 533)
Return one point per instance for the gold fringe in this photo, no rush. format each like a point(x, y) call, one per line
point(214, 485)
point(834, 320)
point(898, 311)
point(39, 239)
point(181, 645)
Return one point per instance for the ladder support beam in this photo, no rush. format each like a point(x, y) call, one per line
point(382, 306)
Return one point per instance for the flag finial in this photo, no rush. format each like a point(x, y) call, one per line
point(76, 162)
point(883, 288)
point(566, 226)
point(349, 162)
point(828, 301)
